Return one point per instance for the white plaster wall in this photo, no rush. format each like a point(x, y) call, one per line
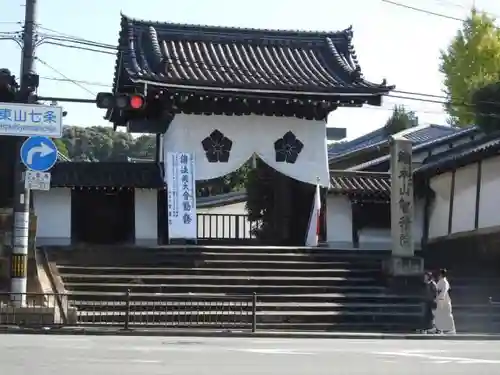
point(234, 209)
point(418, 222)
point(489, 202)
point(374, 238)
point(338, 222)
point(222, 222)
point(53, 211)
point(146, 217)
point(439, 210)
point(464, 199)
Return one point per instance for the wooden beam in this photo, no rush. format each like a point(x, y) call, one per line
point(478, 193)
point(452, 198)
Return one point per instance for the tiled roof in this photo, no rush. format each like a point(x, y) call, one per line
point(429, 133)
point(341, 148)
point(243, 60)
point(221, 199)
point(424, 146)
point(107, 174)
point(360, 183)
point(418, 135)
point(462, 155)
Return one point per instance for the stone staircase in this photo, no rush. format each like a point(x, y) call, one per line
point(213, 287)
point(472, 309)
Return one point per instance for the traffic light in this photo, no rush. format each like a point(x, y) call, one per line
point(124, 102)
point(8, 86)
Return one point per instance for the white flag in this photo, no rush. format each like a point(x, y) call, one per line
point(313, 230)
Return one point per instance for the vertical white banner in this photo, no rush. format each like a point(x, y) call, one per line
point(181, 195)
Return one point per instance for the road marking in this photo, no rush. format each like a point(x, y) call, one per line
point(273, 351)
point(434, 358)
point(145, 361)
point(113, 360)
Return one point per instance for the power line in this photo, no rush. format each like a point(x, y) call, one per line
point(65, 76)
point(80, 48)
point(448, 3)
point(83, 82)
point(101, 84)
point(422, 10)
point(416, 96)
point(66, 37)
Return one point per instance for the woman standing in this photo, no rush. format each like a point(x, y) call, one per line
point(443, 315)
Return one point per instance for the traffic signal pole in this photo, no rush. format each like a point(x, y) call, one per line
point(21, 217)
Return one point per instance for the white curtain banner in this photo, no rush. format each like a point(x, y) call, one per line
point(222, 144)
point(181, 195)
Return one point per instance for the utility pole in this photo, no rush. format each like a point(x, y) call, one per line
point(21, 217)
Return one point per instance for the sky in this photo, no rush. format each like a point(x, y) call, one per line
point(392, 42)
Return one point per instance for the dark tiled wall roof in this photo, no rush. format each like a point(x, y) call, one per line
point(470, 152)
point(221, 199)
point(207, 57)
point(380, 136)
point(360, 183)
point(107, 174)
point(424, 146)
point(366, 140)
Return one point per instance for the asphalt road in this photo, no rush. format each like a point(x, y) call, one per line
point(113, 355)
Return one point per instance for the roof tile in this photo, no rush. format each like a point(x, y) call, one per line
point(107, 174)
point(207, 57)
point(360, 183)
point(473, 151)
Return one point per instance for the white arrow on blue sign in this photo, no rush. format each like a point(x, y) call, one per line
point(39, 153)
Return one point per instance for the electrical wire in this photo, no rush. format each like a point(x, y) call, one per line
point(413, 96)
point(421, 10)
point(65, 76)
point(79, 48)
point(83, 82)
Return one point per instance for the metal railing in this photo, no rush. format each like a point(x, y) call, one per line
point(131, 310)
point(225, 226)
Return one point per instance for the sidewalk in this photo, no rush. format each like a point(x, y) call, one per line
point(103, 331)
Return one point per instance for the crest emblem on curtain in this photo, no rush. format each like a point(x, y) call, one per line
point(288, 148)
point(217, 147)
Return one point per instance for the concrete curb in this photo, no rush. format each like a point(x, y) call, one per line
point(241, 334)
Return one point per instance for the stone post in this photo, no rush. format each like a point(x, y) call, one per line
point(402, 202)
point(402, 265)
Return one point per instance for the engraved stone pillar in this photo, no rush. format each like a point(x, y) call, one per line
point(402, 201)
point(403, 268)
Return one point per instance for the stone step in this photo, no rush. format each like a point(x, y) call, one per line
point(111, 250)
point(306, 264)
point(380, 297)
point(220, 288)
point(239, 271)
point(157, 280)
point(193, 260)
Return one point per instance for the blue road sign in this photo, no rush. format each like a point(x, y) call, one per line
point(39, 153)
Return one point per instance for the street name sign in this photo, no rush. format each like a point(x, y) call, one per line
point(34, 180)
point(26, 120)
point(39, 153)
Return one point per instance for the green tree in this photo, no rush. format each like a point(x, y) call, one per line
point(471, 61)
point(61, 147)
point(486, 102)
point(400, 120)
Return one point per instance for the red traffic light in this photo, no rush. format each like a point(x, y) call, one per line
point(136, 101)
point(120, 101)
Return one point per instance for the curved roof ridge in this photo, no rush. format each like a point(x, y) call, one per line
point(347, 32)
